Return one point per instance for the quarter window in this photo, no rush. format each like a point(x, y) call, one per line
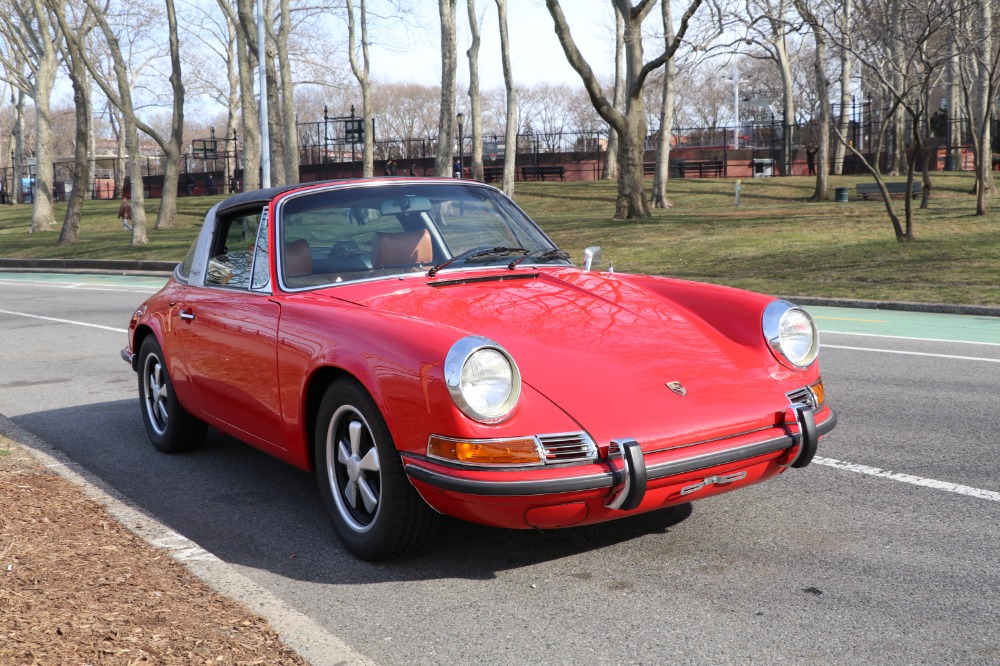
point(231, 260)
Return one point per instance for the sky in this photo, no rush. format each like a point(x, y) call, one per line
point(411, 53)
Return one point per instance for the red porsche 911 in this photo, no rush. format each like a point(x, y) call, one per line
point(426, 349)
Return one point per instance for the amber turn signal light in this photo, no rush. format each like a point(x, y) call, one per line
point(818, 393)
point(520, 451)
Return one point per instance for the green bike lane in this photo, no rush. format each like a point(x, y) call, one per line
point(910, 325)
point(853, 321)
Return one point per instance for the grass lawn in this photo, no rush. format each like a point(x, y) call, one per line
point(775, 242)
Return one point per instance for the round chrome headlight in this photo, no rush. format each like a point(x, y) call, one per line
point(791, 334)
point(482, 378)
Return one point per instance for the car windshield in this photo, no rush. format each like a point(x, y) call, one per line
point(345, 234)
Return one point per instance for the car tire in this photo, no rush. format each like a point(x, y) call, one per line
point(170, 428)
point(375, 511)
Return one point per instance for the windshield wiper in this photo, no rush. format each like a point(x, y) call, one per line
point(540, 255)
point(477, 253)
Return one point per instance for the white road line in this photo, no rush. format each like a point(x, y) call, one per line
point(913, 353)
point(81, 286)
point(909, 478)
point(65, 321)
point(903, 337)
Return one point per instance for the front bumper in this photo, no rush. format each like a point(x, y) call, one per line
point(624, 481)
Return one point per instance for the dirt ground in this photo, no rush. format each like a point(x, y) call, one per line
point(77, 588)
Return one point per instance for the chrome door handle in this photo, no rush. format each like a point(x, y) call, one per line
point(187, 315)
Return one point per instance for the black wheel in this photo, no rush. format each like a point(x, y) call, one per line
point(170, 428)
point(375, 511)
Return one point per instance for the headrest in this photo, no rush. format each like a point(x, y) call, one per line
point(298, 258)
point(402, 248)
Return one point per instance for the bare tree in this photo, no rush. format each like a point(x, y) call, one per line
point(475, 103)
point(662, 174)
point(83, 144)
point(846, 64)
point(28, 32)
point(769, 27)
point(361, 71)
point(246, 58)
point(821, 192)
point(510, 131)
point(630, 125)
point(980, 78)
point(449, 66)
point(289, 127)
point(610, 171)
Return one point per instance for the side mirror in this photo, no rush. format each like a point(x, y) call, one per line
point(590, 255)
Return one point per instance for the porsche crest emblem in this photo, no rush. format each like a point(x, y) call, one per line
point(677, 388)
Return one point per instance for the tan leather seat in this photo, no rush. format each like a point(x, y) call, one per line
point(298, 258)
point(404, 248)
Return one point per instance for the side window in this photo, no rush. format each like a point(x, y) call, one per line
point(232, 256)
point(261, 264)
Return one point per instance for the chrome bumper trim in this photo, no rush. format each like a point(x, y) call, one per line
point(605, 480)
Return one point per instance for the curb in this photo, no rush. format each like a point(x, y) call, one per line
point(313, 643)
point(936, 308)
point(122, 267)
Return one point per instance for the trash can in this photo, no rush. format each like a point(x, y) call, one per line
point(762, 167)
point(841, 194)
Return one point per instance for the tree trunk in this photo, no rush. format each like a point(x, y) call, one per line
point(984, 106)
point(610, 171)
point(662, 175)
point(274, 119)
point(475, 102)
point(449, 65)
point(246, 58)
point(510, 131)
point(45, 71)
point(289, 127)
point(18, 161)
point(821, 192)
point(173, 146)
point(361, 73)
point(631, 126)
point(846, 63)
point(70, 232)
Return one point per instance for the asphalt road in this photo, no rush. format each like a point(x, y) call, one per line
point(883, 551)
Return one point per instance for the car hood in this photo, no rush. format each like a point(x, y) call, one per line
point(604, 350)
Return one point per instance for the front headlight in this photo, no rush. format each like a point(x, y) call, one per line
point(791, 334)
point(482, 378)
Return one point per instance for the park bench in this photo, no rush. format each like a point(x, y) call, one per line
point(866, 190)
point(491, 173)
point(540, 172)
point(711, 167)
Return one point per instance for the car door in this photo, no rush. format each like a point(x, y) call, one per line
point(228, 333)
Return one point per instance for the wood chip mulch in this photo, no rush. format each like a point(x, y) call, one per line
point(78, 588)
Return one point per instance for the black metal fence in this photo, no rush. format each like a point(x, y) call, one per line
point(332, 148)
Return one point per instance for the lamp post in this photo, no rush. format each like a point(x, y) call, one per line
point(735, 78)
point(460, 117)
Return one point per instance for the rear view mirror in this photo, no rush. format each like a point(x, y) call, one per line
point(405, 205)
point(590, 255)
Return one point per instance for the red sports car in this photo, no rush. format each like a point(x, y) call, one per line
point(426, 349)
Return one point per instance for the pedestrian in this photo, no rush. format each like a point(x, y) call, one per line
point(412, 172)
point(811, 158)
point(190, 186)
point(210, 186)
point(125, 212)
point(392, 167)
point(457, 169)
point(232, 184)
